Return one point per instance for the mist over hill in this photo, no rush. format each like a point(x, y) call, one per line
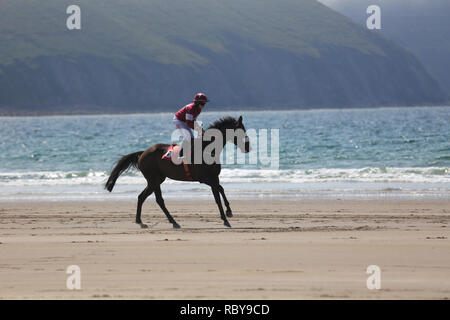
point(135, 55)
point(421, 26)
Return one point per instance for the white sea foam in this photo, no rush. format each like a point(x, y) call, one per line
point(364, 183)
point(367, 175)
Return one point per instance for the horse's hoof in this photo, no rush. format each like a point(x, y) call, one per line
point(176, 226)
point(143, 225)
point(227, 224)
point(229, 214)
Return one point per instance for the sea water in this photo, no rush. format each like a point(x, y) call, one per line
point(381, 153)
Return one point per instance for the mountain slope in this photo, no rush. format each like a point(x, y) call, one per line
point(154, 55)
point(420, 26)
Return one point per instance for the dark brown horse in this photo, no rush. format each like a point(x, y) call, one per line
point(156, 170)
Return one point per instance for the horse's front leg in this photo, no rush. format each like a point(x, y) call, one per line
point(227, 204)
point(215, 191)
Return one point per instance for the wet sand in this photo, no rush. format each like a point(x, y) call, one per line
point(275, 250)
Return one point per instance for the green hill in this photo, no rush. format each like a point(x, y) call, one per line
point(138, 55)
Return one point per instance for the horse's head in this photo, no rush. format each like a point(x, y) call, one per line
point(233, 130)
point(241, 139)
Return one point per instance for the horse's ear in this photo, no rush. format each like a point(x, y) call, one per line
point(240, 120)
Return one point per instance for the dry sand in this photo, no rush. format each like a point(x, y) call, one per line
point(275, 250)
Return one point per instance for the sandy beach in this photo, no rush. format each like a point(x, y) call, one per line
point(275, 250)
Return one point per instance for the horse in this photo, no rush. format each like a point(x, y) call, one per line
point(156, 170)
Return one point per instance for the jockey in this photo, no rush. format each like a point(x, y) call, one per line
point(185, 118)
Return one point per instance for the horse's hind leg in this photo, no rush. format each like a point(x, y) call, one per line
point(229, 213)
point(160, 201)
point(141, 198)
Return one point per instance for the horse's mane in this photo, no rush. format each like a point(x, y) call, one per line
point(226, 122)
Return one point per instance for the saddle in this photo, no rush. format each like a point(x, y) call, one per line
point(171, 151)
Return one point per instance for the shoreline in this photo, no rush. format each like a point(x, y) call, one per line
point(274, 250)
point(204, 198)
point(237, 191)
point(5, 113)
point(211, 199)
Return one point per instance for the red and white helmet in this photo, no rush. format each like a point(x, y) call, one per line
point(200, 97)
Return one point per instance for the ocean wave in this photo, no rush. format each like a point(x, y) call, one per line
point(368, 175)
point(379, 175)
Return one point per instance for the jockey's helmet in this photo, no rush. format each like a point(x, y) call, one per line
point(200, 97)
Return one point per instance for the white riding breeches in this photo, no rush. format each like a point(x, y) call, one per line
point(184, 131)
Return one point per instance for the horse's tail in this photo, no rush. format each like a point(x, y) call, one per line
point(122, 165)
